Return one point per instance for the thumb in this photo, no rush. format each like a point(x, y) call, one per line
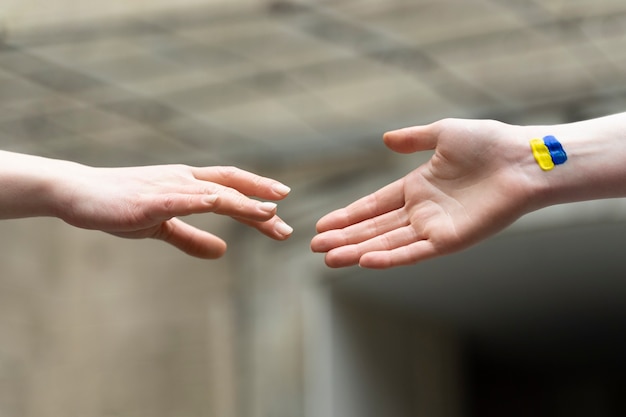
point(191, 240)
point(411, 139)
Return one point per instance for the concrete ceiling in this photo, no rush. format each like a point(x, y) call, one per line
point(257, 82)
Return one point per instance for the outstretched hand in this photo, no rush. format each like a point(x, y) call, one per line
point(145, 202)
point(470, 188)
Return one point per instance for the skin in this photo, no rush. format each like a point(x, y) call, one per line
point(141, 202)
point(481, 178)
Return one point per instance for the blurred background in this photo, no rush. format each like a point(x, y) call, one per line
point(531, 322)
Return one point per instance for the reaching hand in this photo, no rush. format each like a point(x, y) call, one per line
point(143, 202)
point(472, 187)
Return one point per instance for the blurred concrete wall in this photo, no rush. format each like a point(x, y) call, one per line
point(94, 326)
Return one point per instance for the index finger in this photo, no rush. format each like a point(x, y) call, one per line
point(243, 181)
point(380, 202)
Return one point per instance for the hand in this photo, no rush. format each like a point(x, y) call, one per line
point(472, 187)
point(144, 202)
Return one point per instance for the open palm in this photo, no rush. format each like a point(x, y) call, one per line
point(468, 190)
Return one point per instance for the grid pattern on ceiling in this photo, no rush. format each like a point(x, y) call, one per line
point(298, 80)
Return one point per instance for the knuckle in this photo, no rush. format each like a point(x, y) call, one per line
point(228, 171)
point(241, 203)
point(446, 123)
point(168, 202)
point(258, 181)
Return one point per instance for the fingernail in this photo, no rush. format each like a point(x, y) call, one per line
point(267, 207)
point(210, 199)
point(281, 189)
point(283, 229)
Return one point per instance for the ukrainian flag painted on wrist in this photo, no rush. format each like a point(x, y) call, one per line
point(548, 152)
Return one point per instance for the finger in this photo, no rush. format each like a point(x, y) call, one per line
point(228, 203)
point(360, 232)
point(275, 228)
point(405, 255)
point(388, 198)
point(191, 240)
point(166, 206)
point(240, 206)
point(243, 181)
point(350, 254)
point(412, 139)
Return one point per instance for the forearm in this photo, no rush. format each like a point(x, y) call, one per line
point(595, 166)
point(28, 185)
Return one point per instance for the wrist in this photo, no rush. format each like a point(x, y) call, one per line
point(594, 168)
point(528, 186)
point(49, 185)
point(31, 185)
point(60, 185)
